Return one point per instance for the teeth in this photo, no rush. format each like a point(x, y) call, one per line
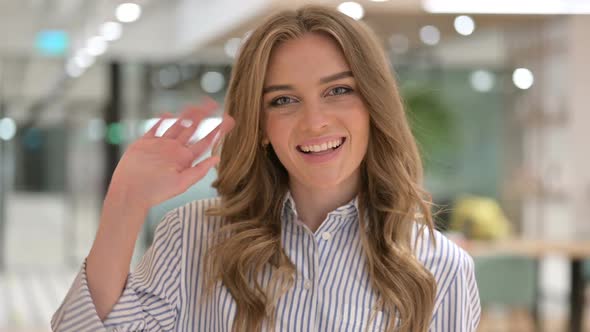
point(323, 147)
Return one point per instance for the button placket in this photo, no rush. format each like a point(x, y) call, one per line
point(310, 261)
point(314, 276)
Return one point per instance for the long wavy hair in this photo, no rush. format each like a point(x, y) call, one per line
point(251, 180)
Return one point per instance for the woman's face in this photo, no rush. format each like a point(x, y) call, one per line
point(316, 120)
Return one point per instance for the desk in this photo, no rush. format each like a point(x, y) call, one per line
point(575, 251)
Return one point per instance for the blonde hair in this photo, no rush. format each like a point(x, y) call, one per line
point(251, 180)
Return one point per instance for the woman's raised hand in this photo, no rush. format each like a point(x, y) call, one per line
point(154, 169)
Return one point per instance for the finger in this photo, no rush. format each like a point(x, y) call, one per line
point(152, 131)
point(194, 118)
point(187, 132)
point(177, 128)
point(193, 174)
point(189, 120)
point(213, 137)
point(198, 113)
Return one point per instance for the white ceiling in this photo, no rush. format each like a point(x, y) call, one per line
point(186, 30)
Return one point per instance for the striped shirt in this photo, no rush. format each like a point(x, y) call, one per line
point(332, 290)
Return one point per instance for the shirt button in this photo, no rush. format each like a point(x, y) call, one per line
point(307, 284)
point(326, 236)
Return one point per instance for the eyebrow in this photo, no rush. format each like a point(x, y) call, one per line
point(323, 80)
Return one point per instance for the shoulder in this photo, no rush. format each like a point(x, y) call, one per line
point(444, 259)
point(185, 231)
point(196, 211)
point(193, 218)
point(456, 305)
point(193, 213)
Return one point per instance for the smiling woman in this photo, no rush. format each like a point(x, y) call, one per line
point(310, 101)
point(321, 224)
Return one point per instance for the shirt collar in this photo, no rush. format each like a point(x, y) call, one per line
point(335, 220)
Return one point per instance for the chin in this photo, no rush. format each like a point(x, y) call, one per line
point(322, 182)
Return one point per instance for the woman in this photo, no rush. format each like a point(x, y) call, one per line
point(321, 224)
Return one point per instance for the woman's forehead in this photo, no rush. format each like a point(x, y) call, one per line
point(309, 57)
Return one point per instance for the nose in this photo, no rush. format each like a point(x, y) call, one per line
point(313, 117)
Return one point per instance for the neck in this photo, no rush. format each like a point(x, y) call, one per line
point(313, 203)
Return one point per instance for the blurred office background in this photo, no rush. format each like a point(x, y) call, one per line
point(497, 92)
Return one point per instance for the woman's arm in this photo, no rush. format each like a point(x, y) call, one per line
point(149, 298)
point(152, 170)
point(107, 265)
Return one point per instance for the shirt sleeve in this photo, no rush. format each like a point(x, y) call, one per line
point(150, 299)
point(460, 308)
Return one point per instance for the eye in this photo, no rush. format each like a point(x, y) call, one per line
point(282, 100)
point(339, 90)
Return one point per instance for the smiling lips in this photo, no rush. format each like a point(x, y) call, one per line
point(331, 144)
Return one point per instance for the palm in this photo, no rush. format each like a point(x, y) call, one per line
point(154, 169)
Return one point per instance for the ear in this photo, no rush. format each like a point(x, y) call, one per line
point(265, 142)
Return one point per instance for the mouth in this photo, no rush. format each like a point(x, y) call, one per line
point(319, 149)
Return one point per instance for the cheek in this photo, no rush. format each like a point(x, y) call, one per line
point(359, 123)
point(360, 132)
point(277, 131)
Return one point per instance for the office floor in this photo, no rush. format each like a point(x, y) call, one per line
point(28, 299)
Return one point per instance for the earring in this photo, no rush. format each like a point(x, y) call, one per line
point(265, 142)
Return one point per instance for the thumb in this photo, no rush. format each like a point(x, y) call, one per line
point(194, 174)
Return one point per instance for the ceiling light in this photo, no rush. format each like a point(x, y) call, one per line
point(232, 46)
point(352, 9)
point(429, 35)
point(212, 82)
point(96, 46)
point(111, 31)
point(96, 129)
point(7, 129)
point(523, 78)
point(482, 80)
point(464, 25)
point(169, 76)
point(83, 60)
point(128, 12)
point(73, 70)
